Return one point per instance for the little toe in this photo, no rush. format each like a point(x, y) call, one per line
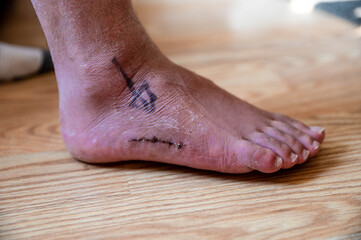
point(316, 132)
point(319, 133)
point(307, 141)
point(295, 145)
point(280, 148)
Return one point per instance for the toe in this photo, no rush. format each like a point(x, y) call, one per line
point(316, 132)
point(280, 148)
point(258, 158)
point(307, 141)
point(295, 145)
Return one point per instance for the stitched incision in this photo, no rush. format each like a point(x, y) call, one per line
point(156, 140)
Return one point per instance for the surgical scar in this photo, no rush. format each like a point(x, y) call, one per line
point(156, 140)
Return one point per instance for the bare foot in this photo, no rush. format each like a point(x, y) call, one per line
point(122, 99)
point(165, 113)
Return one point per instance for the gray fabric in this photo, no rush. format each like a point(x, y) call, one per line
point(344, 9)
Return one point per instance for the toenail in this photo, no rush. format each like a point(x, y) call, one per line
point(316, 145)
point(305, 154)
point(317, 129)
point(278, 162)
point(294, 157)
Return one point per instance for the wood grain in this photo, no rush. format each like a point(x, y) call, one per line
point(308, 67)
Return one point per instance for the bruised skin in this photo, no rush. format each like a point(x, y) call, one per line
point(122, 99)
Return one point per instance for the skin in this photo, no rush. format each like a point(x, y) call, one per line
point(122, 99)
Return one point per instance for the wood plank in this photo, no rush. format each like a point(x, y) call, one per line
point(308, 67)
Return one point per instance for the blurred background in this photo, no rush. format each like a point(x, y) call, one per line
point(19, 25)
point(349, 10)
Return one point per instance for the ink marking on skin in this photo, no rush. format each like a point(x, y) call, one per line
point(156, 140)
point(147, 105)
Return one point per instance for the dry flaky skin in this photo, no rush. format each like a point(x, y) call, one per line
point(122, 99)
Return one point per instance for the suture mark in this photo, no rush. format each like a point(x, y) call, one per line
point(147, 105)
point(156, 140)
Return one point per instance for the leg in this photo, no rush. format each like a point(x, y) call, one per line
point(122, 99)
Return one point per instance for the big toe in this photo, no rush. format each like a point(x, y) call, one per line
point(282, 149)
point(256, 157)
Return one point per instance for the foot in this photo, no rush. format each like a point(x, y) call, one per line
point(122, 99)
point(163, 112)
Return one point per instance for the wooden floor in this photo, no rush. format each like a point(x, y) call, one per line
point(305, 66)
